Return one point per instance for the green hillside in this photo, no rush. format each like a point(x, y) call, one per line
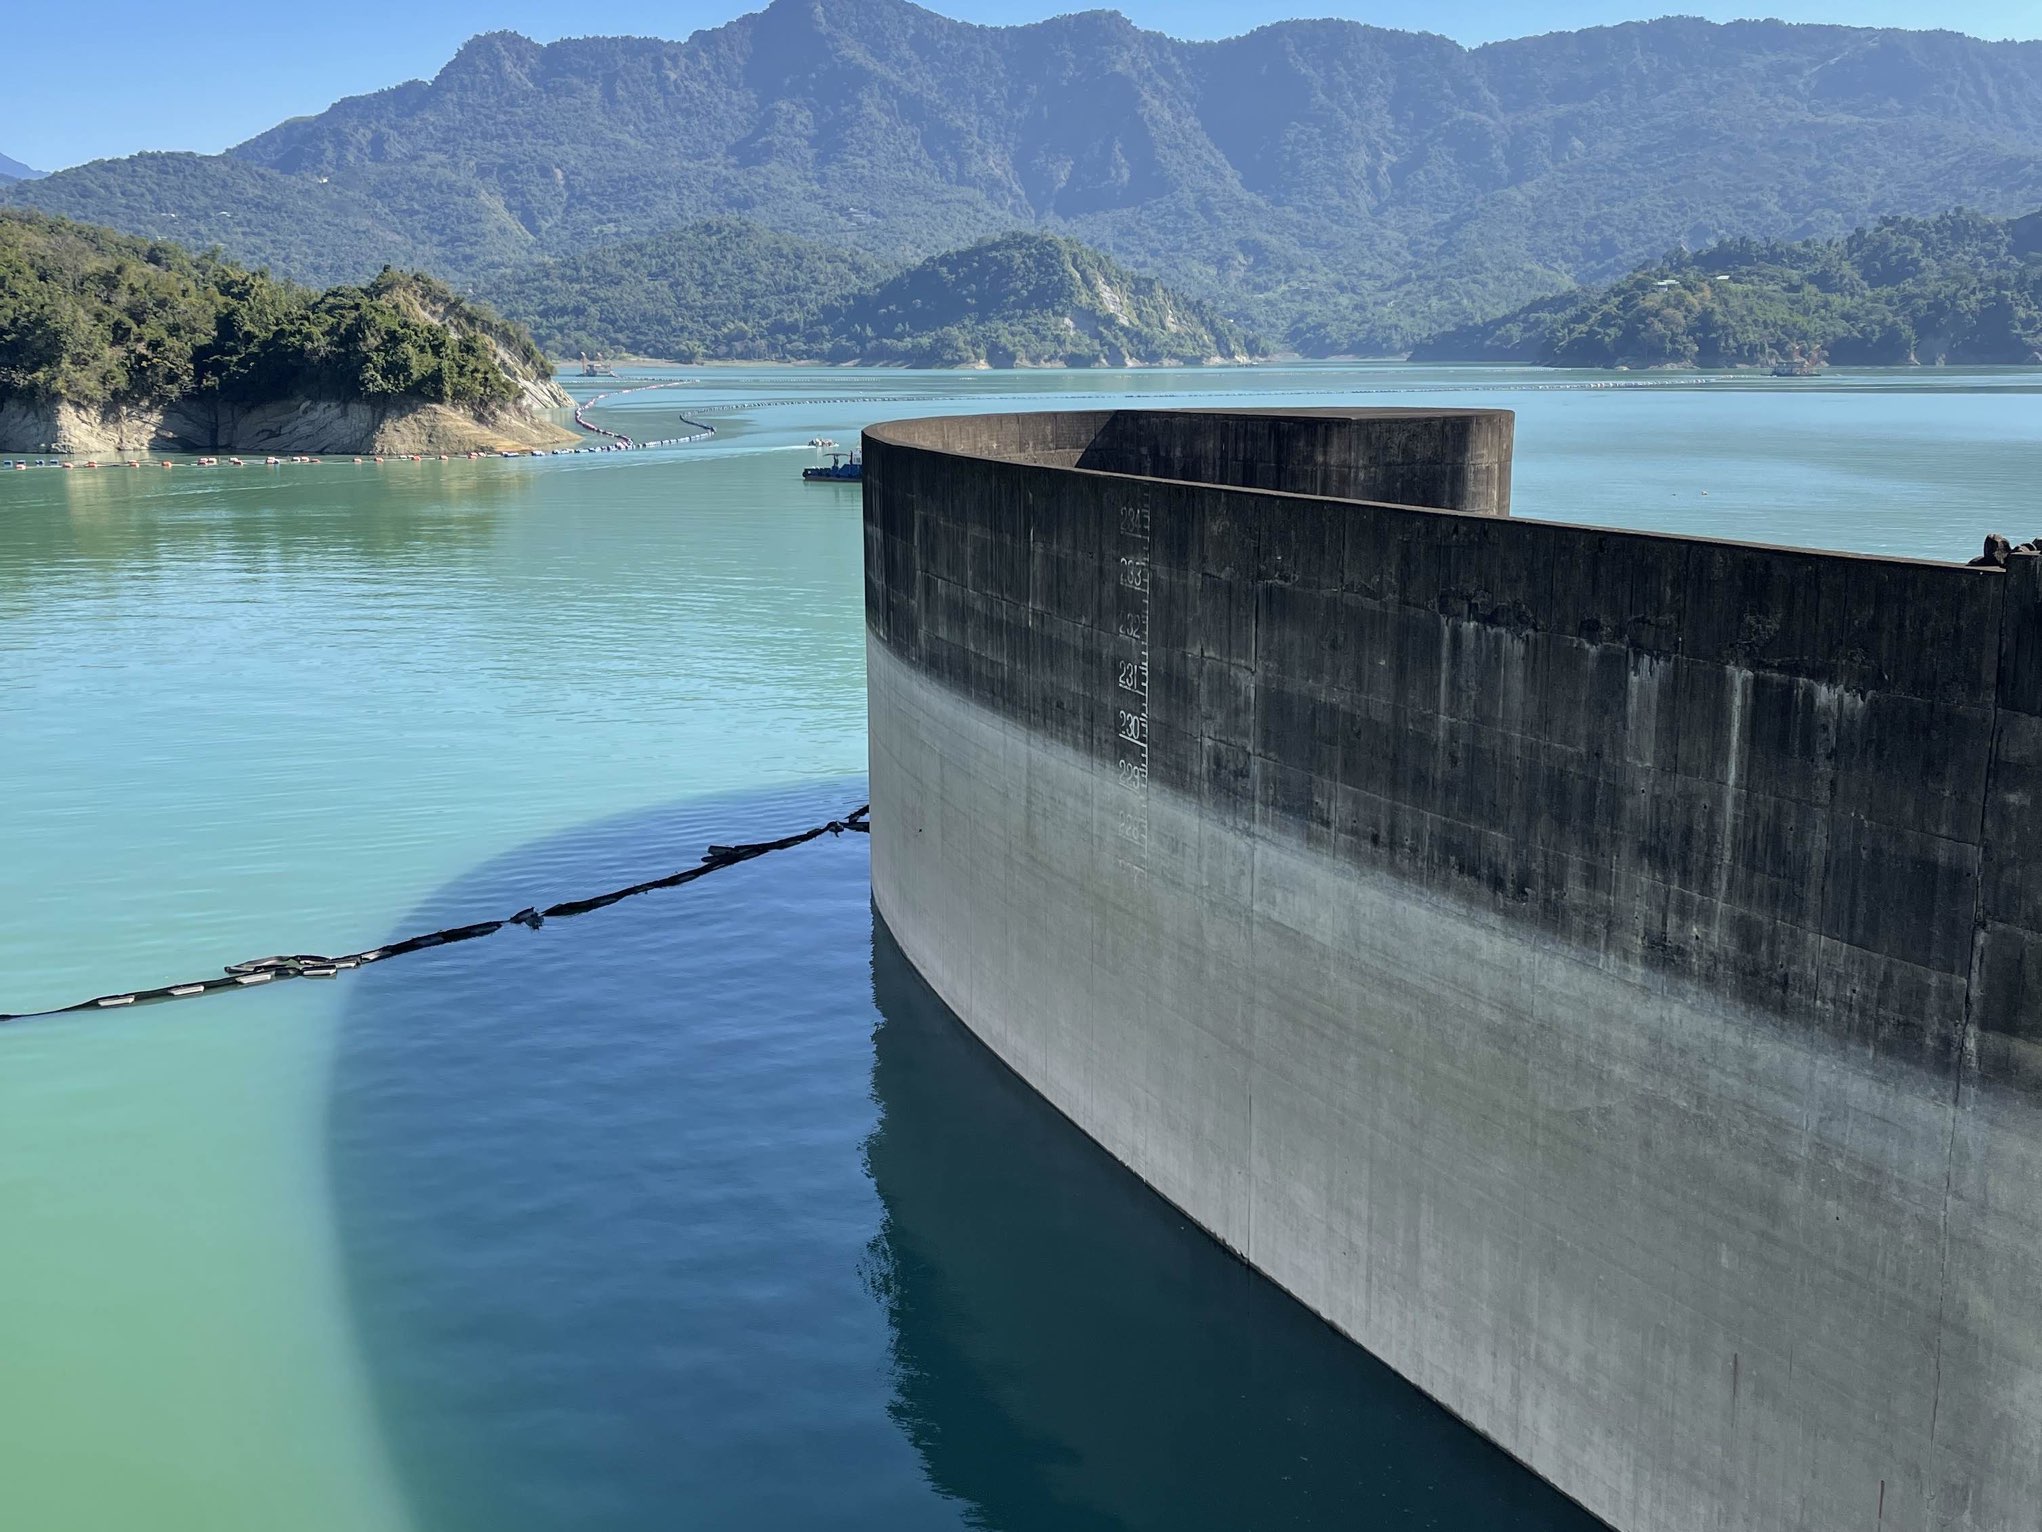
point(721, 290)
point(727, 290)
point(1959, 288)
point(94, 318)
point(1339, 186)
point(1029, 300)
point(298, 227)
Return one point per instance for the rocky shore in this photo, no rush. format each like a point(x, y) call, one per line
point(287, 426)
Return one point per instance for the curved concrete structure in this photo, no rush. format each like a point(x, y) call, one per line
point(1600, 973)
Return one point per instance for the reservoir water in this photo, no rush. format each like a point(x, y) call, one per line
point(696, 1212)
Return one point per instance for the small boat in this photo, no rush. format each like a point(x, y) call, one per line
point(844, 468)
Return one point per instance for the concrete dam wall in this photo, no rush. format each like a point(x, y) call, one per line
point(1601, 973)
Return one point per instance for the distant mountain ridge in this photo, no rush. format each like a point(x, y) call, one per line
point(14, 170)
point(1344, 186)
point(728, 290)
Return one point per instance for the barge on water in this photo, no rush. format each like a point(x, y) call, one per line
point(844, 468)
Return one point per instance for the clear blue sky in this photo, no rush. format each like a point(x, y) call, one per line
point(115, 77)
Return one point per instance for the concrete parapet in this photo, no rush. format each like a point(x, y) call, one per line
point(1598, 971)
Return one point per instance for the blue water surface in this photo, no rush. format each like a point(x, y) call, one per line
point(702, 1211)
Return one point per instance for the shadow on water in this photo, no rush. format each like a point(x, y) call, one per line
point(702, 1211)
point(1071, 1352)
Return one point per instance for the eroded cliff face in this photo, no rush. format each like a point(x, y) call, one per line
point(37, 426)
point(286, 425)
point(541, 393)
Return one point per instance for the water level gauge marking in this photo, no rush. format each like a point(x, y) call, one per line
point(1131, 688)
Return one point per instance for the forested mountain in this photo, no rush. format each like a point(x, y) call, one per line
point(730, 290)
point(1961, 287)
point(14, 170)
point(1338, 185)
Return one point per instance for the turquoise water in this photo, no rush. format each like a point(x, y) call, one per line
point(689, 1213)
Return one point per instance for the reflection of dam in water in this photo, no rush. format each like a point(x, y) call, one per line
point(1070, 1352)
point(616, 1264)
point(1599, 972)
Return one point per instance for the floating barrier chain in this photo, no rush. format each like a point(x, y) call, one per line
point(702, 427)
point(267, 970)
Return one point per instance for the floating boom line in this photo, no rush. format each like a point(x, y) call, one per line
point(268, 970)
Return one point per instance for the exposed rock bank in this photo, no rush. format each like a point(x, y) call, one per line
point(288, 425)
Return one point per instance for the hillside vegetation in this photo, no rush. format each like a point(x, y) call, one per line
point(94, 318)
point(733, 291)
point(1961, 287)
point(722, 290)
point(1029, 300)
point(1340, 187)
